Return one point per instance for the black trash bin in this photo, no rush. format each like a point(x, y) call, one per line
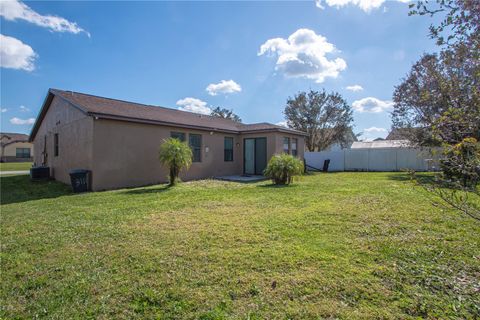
point(80, 179)
point(326, 163)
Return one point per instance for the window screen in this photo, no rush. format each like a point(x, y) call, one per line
point(195, 142)
point(286, 145)
point(55, 145)
point(178, 135)
point(228, 149)
point(294, 147)
point(23, 152)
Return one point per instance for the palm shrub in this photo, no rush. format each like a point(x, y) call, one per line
point(282, 168)
point(177, 155)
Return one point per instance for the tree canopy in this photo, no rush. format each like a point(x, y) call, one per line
point(440, 97)
point(460, 23)
point(327, 118)
point(225, 114)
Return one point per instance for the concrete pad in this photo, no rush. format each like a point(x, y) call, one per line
point(242, 178)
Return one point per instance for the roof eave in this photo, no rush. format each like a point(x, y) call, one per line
point(298, 133)
point(43, 110)
point(157, 122)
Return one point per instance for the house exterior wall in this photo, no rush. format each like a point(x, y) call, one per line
point(125, 154)
point(75, 133)
point(9, 152)
point(275, 142)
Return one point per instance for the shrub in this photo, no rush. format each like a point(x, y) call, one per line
point(282, 168)
point(461, 164)
point(177, 155)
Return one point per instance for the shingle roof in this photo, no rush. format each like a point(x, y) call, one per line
point(261, 126)
point(123, 110)
point(12, 137)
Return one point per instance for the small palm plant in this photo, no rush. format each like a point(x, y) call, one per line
point(177, 155)
point(282, 168)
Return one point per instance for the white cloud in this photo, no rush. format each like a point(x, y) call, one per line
point(370, 134)
point(13, 9)
point(282, 123)
point(365, 5)
point(24, 109)
point(303, 55)
point(3, 110)
point(193, 105)
point(19, 121)
point(15, 54)
point(355, 88)
point(224, 86)
point(374, 129)
point(371, 105)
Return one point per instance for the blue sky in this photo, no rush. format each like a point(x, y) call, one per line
point(168, 53)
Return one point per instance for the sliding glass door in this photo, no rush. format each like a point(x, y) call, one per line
point(255, 155)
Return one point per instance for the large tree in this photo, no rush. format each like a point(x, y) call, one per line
point(327, 118)
point(225, 114)
point(440, 98)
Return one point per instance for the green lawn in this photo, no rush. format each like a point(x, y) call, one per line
point(343, 245)
point(15, 166)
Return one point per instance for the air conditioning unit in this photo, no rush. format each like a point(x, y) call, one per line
point(40, 173)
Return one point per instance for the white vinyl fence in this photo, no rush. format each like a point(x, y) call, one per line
point(387, 159)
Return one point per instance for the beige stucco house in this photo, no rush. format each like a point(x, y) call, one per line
point(118, 141)
point(15, 147)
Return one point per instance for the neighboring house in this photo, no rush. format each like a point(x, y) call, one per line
point(118, 141)
point(15, 147)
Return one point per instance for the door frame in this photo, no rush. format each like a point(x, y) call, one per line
point(254, 153)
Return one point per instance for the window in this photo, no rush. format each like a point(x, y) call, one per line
point(55, 145)
point(294, 147)
point(23, 152)
point(286, 145)
point(178, 135)
point(195, 142)
point(228, 149)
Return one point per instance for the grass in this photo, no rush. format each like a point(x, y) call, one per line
point(15, 166)
point(344, 245)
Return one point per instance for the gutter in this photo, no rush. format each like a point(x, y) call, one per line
point(97, 115)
